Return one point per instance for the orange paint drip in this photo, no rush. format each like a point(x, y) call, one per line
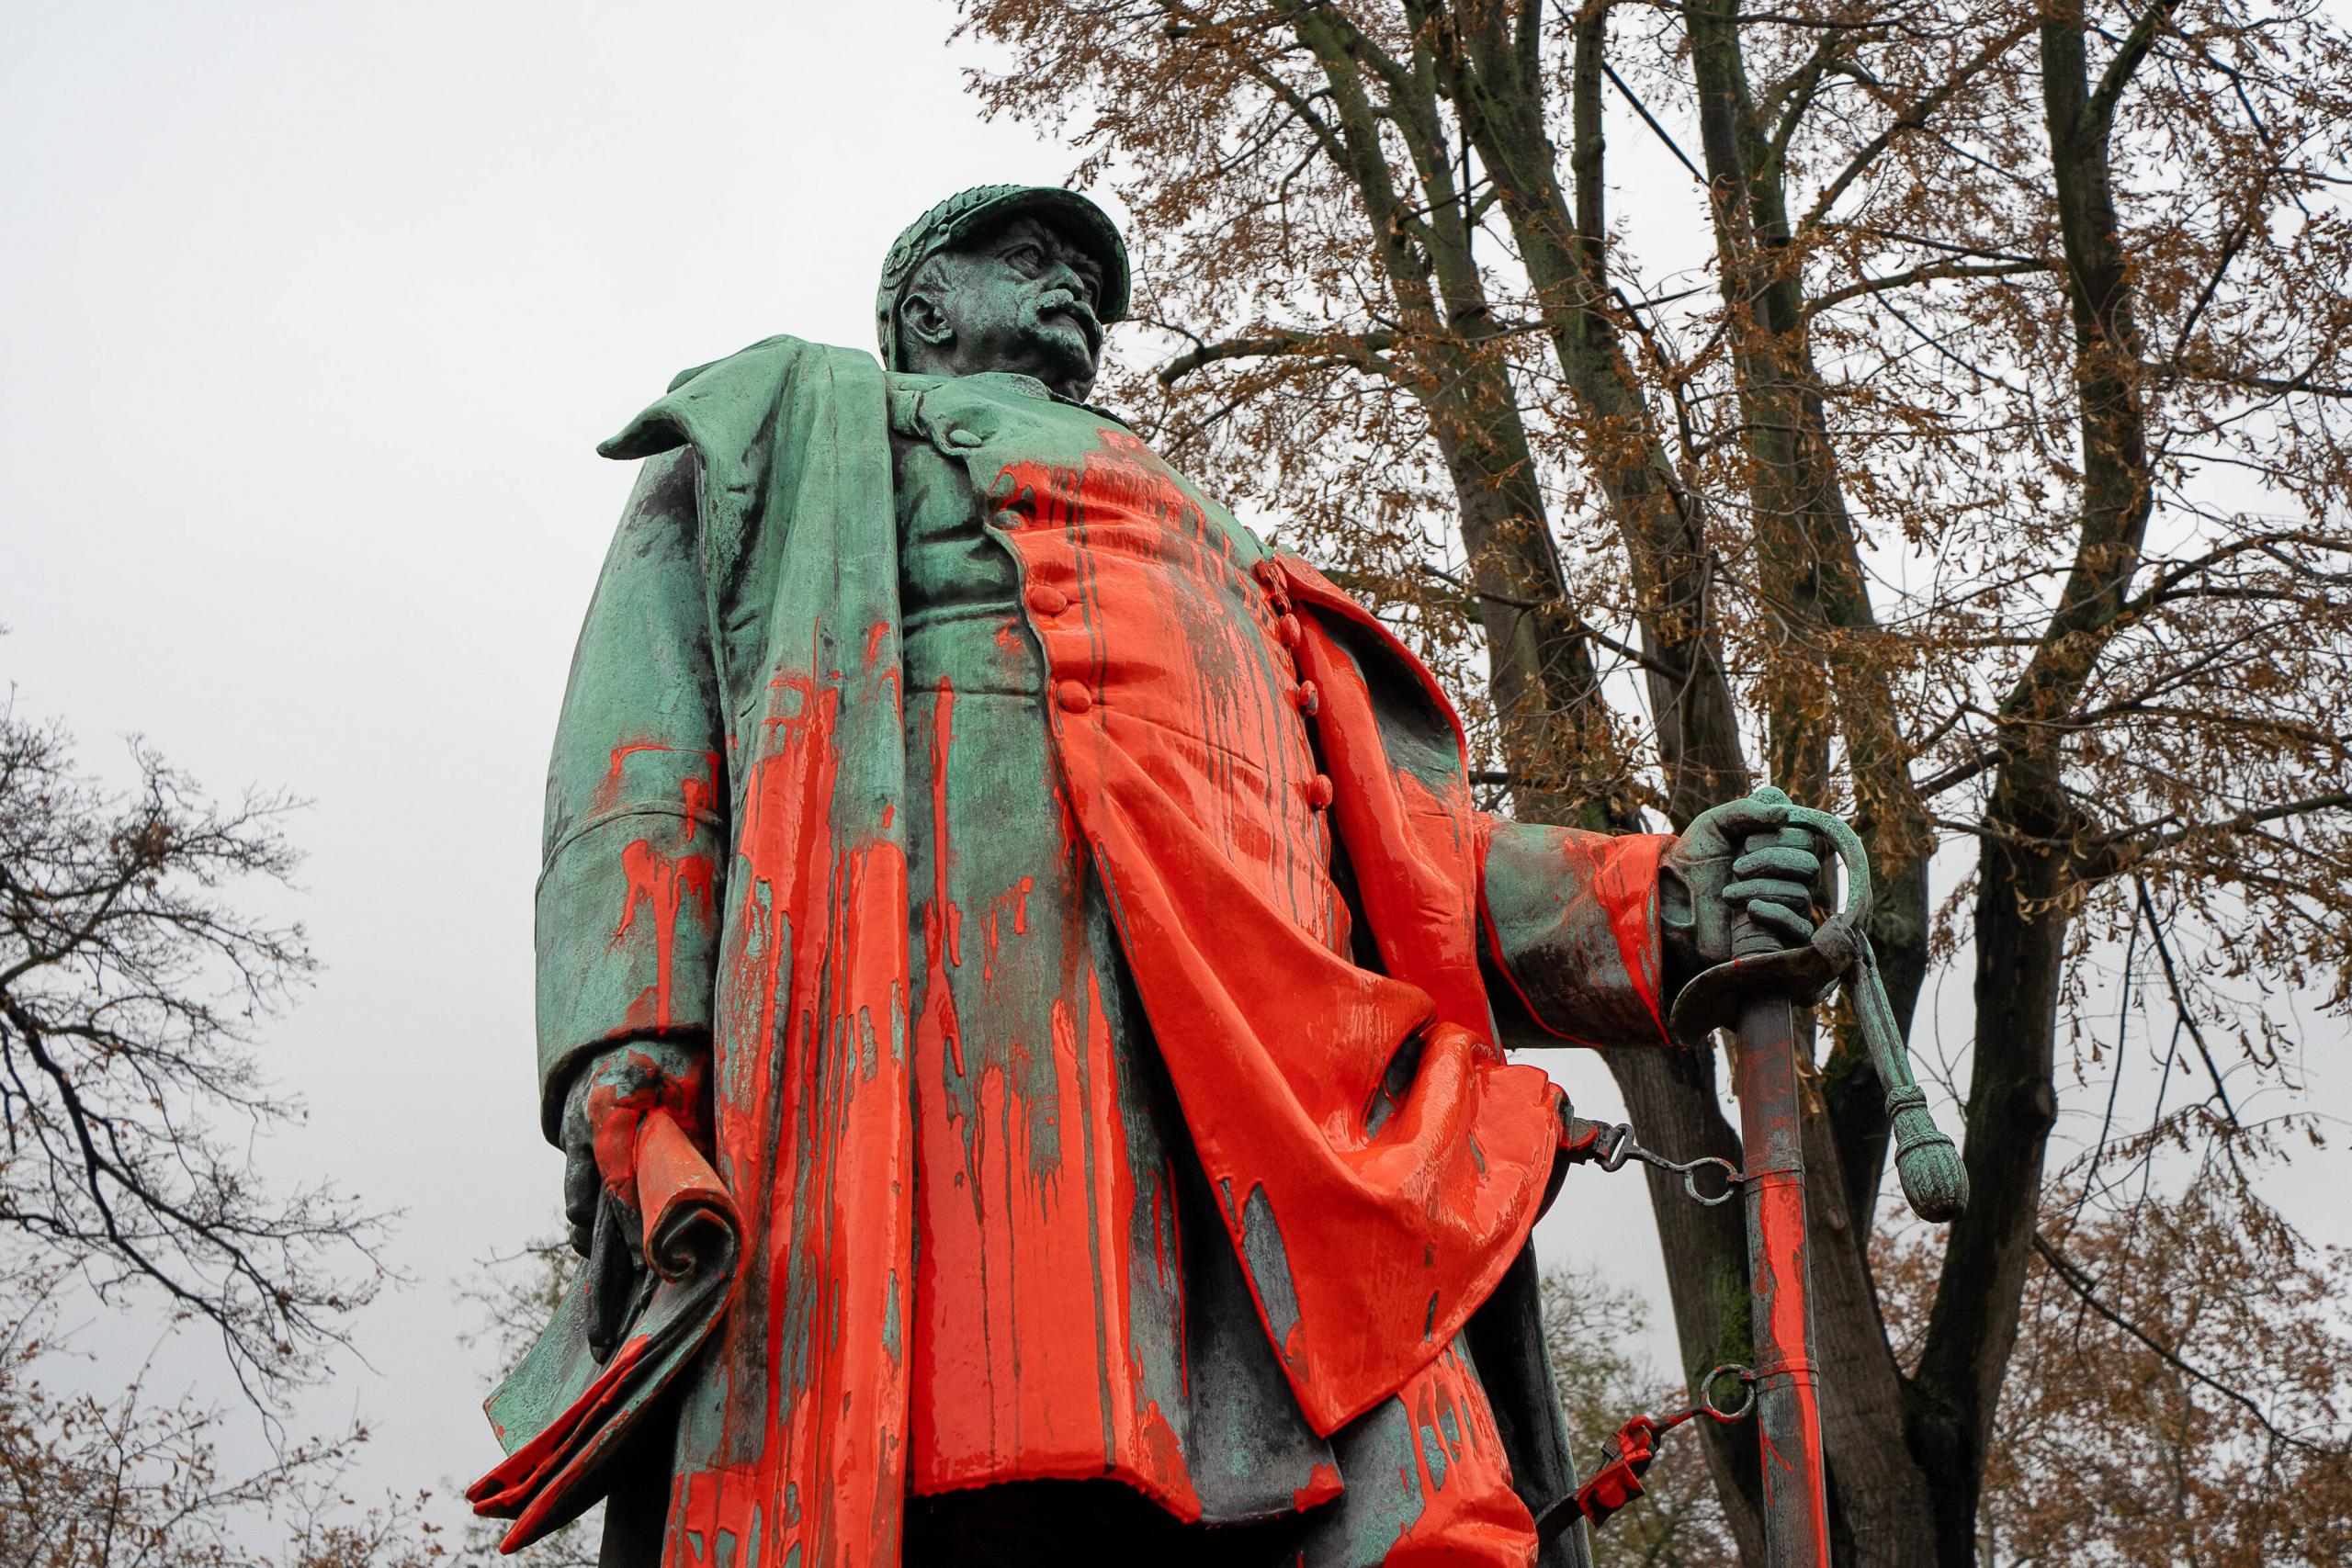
point(700, 792)
point(810, 1136)
point(1323, 1483)
point(941, 919)
point(1470, 1517)
point(663, 885)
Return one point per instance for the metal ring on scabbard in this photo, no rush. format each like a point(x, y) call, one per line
point(1747, 1380)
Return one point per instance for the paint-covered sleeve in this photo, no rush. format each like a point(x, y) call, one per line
point(635, 839)
point(1570, 929)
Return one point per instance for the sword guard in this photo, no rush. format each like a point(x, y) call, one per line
point(1712, 998)
point(1935, 1180)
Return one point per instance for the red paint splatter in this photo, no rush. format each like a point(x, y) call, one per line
point(700, 793)
point(625, 1092)
point(1473, 1517)
point(697, 794)
point(940, 919)
point(664, 885)
point(1012, 905)
point(1176, 1262)
point(813, 1137)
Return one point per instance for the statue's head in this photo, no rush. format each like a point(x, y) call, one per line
point(1004, 277)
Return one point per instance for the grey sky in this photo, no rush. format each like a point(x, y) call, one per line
point(312, 315)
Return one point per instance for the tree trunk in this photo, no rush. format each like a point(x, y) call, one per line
point(1670, 1097)
point(2012, 1104)
point(1810, 570)
point(1494, 79)
point(2027, 881)
point(1496, 85)
point(1545, 684)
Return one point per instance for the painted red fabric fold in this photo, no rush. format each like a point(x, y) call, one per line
point(569, 1418)
point(1368, 1238)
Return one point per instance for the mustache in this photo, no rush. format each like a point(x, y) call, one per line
point(1070, 302)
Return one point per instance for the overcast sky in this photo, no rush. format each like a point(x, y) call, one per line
point(310, 316)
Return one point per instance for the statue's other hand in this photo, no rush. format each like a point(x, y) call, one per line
point(580, 1183)
point(609, 1095)
point(1711, 875)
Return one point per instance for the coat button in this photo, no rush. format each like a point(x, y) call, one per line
point(959, 437)
point(1318, 791)
point(1310, 697)
point(1286, 631)
point(1047, 599)
point(1071, 697)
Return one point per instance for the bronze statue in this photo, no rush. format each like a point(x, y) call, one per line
point(1019, 984)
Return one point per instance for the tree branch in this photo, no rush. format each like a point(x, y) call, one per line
point(1355, 348)
point(2128, 56)
point(1929, 273)
point(2080, 1283)
point(2118, 854)
point(1651, 120)
point(1914, 119)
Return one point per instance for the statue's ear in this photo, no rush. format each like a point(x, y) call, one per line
point(922, 315)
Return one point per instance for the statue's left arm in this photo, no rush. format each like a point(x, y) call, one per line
point(635, 847)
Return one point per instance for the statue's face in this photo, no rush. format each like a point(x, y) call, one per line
point(1022, 299)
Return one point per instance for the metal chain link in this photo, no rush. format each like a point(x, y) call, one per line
point(1617, 1146)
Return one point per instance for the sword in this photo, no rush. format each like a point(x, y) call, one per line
point(1756, 993)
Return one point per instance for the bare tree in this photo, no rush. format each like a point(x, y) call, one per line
point(129, 991)
point(1979, 471)
point(132, 1479)
point(2184, 1384)
point(1589, 1322)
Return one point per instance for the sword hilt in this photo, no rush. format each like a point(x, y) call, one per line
point(1934, 1181)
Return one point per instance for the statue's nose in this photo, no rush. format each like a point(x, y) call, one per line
point(1060, 273)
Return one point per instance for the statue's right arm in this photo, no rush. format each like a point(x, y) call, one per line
point(1571, 924)
point(635, 840)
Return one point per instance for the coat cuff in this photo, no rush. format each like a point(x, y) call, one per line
point(627, 940)
point(1572, 923)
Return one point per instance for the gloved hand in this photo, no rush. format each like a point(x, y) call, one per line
point(1710, 876)
point(610, 1094)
